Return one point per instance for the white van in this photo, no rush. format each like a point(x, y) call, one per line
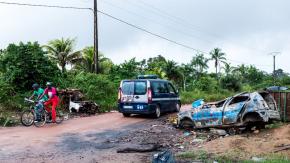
point(147, 95)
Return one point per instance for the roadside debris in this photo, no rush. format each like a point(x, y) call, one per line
point(282, 148)
point(139, 148)
point(256, 132)
point(219, 132)
point(73, 100)
point(257, 159)
point(163, 157)
point(244, 109)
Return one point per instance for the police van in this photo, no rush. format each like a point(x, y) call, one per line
point(147, 95)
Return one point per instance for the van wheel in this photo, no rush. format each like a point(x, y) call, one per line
point(177, 107)
point(157, 112)
point(126, 114)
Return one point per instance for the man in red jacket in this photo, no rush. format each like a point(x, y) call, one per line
point(53, 99)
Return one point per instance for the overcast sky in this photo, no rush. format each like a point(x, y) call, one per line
point(246, 30)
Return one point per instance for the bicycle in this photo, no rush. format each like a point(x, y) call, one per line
point(29, 117)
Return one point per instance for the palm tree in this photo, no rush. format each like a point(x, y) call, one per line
point(62, 51)
point(87, 61)
point(172, 71)
point(219, 57)
point(199, 63)
point(228, 68)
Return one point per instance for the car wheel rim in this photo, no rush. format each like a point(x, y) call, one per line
point(177, 107)
point(157, 112)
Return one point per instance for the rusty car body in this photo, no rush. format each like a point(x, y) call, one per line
point(240, 110)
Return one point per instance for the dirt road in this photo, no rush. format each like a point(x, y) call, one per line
point(81, 139)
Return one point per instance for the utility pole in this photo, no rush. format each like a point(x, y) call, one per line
point(96, 41)
point(274, 54)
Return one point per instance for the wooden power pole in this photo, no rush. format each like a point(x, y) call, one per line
point(274, 54)
point(96, 41)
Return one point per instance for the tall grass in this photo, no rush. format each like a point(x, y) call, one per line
point(189, 97)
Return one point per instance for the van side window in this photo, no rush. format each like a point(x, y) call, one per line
point(171, 88)
point(159, 87)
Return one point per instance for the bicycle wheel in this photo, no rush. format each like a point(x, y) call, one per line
point(27, 118)
point(42, 119)
point(59, 116)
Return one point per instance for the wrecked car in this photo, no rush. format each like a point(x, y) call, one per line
point(241, 110)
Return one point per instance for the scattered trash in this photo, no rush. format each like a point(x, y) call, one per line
point(139, 148)
point(172, 120)
point(72, 100)
point(219, 132)
point(282, 148)
point(186, 133)
point(163, 157)
point(197, 141)
point(197, 103)
point(181, 147)
point(256, 132)
point(66, 117)
point(257, 159)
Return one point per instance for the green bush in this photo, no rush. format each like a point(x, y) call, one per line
point(230, 82)
point(24, 64)
point(207, 83)
point(6, 91)
point(97, 88)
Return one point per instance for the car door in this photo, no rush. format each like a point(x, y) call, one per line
point(233, 108)
point(161, 94)
point(208, 116)
point(173, 95)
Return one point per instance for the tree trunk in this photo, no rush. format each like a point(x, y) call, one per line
point(216, 68)
point(63, 68)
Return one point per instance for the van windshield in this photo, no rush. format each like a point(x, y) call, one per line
point(134, 88)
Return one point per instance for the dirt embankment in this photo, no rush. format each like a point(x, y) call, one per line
point(249, 144)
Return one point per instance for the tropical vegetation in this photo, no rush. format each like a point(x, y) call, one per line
point(23, 64)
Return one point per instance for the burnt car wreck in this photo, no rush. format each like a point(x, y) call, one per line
point(242, 110)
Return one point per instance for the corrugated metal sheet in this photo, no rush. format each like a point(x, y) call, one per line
point(283, 103)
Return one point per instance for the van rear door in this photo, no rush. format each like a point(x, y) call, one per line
point(134, 93)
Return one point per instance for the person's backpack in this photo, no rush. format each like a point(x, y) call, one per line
point(163, 157)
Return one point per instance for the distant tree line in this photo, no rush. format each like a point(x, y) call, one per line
point(23, 64)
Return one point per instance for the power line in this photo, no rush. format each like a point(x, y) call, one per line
point(174, 18)
point(115, 18)
point(191, 26)
point(46, 6)
point(108, 15)
point(156, 22)
point(151, 33)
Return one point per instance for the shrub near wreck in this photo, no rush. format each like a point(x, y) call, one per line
point(97, 88)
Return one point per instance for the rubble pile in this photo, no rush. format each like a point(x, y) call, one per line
point(166, 135)
point(73, 101)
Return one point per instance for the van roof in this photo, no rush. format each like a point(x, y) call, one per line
point(145, 80)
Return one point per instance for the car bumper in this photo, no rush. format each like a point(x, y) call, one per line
point(137, 108)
